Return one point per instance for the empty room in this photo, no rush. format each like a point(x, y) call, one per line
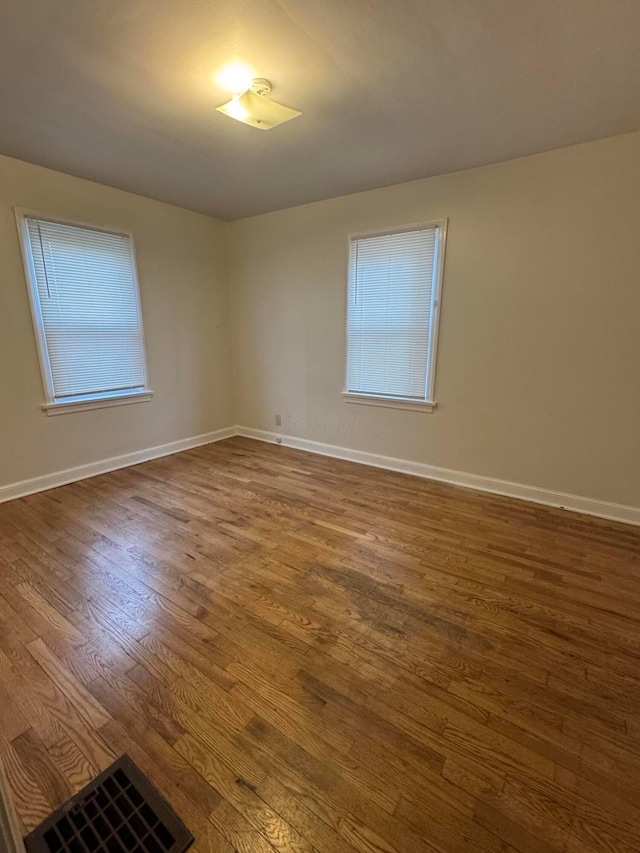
point(320, 421)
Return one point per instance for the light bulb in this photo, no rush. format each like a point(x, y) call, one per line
point(235, 77)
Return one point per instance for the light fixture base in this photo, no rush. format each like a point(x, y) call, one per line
point(260, 86)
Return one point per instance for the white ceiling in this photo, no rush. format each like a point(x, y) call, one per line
point(121, 91)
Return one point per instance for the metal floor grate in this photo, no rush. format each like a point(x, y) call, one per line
point(119, 812)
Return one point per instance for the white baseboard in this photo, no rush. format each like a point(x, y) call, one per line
point(576, 503)
point(92, 469)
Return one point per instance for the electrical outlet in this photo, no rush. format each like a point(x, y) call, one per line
point(278, 420)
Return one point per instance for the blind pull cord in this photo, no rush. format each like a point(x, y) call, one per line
point(44, 262)
point(355, 289)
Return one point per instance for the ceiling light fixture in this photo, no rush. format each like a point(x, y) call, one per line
point(254, 108)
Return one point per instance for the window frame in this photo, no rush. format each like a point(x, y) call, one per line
point(428, 404)
point(100, 399)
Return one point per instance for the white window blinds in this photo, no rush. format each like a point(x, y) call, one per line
point(393, 285)
point(84, 283)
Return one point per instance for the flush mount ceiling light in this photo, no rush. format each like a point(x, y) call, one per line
point(254, 108)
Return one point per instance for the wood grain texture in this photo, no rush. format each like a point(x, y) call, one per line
point(310, 655)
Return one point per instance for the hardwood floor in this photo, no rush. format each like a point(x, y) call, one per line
point(310, 655)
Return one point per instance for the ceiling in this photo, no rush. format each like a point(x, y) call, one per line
point(122, 91)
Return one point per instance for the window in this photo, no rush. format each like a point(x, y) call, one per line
point(86, 312)
point(392, 316)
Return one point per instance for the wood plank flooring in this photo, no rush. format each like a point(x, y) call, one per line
point(310, 655)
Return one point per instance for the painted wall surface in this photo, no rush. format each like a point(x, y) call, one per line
point(538, 378)
point(183, 282)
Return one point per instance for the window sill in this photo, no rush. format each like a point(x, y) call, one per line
point(67, 407)
point(390, 402)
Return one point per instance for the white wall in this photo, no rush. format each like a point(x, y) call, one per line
point(538, 380)
point(183, 282)
point(539, 361)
